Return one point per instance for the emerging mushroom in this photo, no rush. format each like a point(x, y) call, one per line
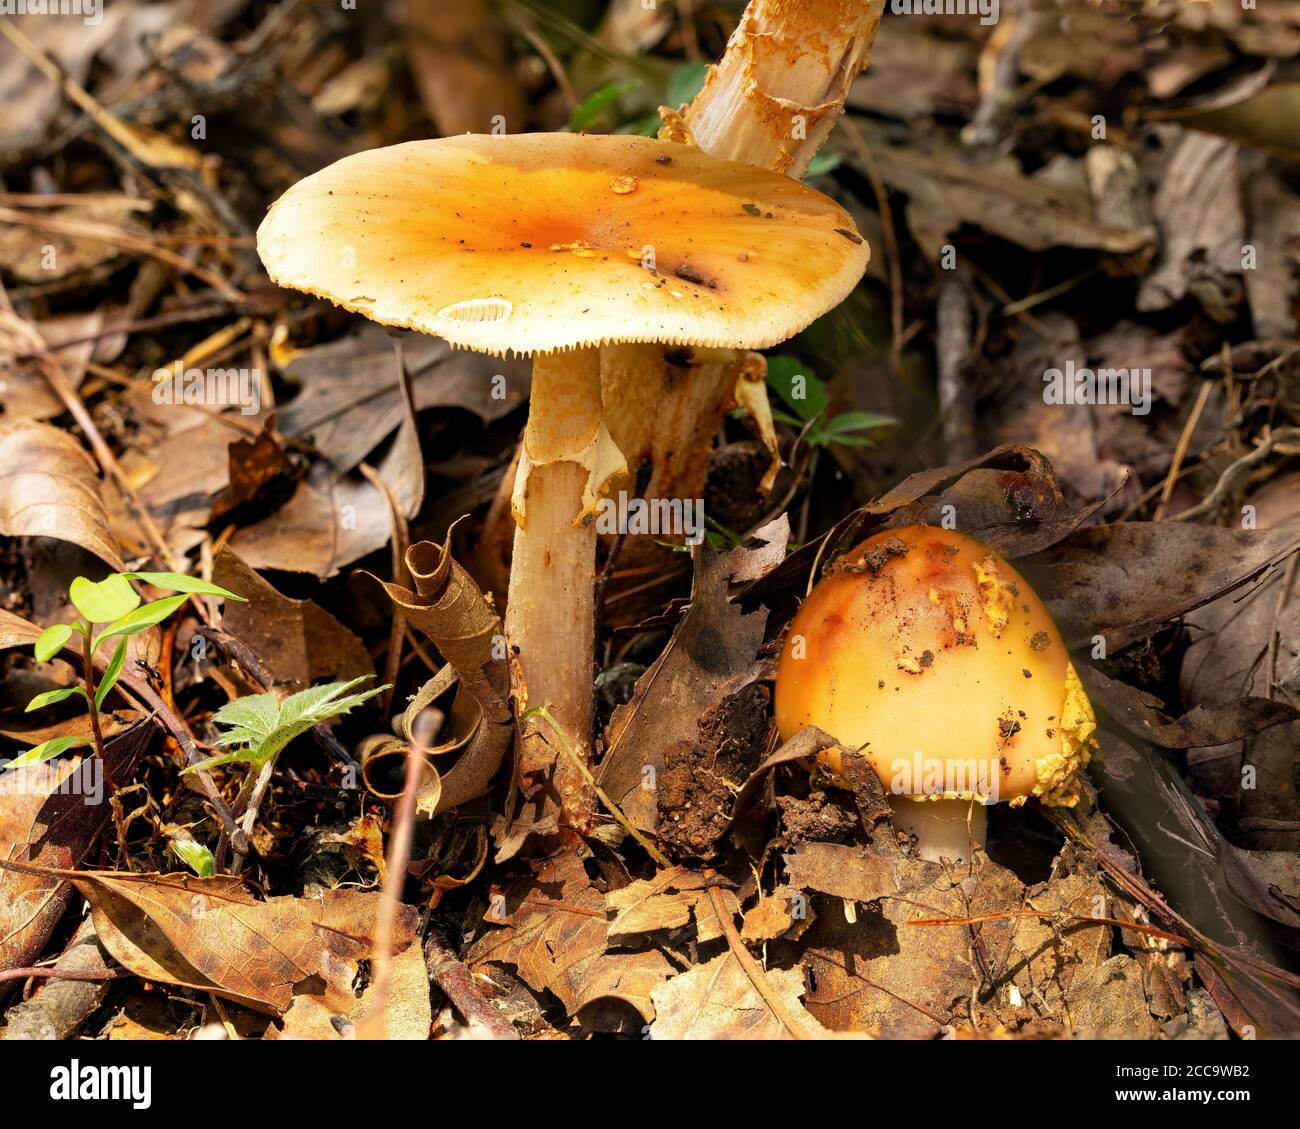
point(934, 656)
point(559, 245)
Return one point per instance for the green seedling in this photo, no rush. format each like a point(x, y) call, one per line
point(110, 609)
point(805, 395)
point(260, 725)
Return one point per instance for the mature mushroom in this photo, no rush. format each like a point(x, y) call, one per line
point(935, 657)
point(560, 245)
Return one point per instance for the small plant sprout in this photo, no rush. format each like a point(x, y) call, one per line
point(261, 725)
point(808, 401)
point(110, 609)
point(927, 652)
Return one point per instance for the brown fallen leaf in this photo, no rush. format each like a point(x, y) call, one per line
point(949, 188)
point(410, 1011)
point(51, 488)
point(1008, 499)
point(459, 60)
point(709, 657)
point(669, 900)
point(718, 1000)
point(298, 640)
point(1127, 580)
point(66, 825)
point(554, 928)
point(350, 400)
point(213, 935)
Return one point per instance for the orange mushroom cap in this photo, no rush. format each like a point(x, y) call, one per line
point(534, 243)
point(932, 654)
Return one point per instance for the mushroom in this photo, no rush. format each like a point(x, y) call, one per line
point(933, 656)
point(561, 246)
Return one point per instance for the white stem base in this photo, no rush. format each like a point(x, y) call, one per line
point(944, 829)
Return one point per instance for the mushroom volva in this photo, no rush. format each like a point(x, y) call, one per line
point(564, 245)
point(933, 656)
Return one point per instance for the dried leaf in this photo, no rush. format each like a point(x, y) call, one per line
point(709, 657)
point(51, 489)
point(299, 641)
point(555, 931)
point(213, 935)
point(718, 1000)
point(1127, 580)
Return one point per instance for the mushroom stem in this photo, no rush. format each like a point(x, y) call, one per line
point(550, 612)
point(771, 101)
point(943, 829)
point(775, 96)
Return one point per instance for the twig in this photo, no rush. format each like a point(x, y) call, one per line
point(375, 1025)
point(1180, 451)
point(614, 809)
point(457, 982)
point(751, 967)
point(53, 972)
point(1228, 479)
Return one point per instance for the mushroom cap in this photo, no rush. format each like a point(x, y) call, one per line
point(534, 243)
point(931, 651)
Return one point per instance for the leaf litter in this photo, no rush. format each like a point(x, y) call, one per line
point(1163, 906)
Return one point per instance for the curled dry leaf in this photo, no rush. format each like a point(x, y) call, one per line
point(449, 608)
point(51, 488)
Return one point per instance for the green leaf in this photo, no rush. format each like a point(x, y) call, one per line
point(48, 750)
point(686, 83)
point(111, 674)
point(143, 618)
point(51, 696)
point(105, 601)
point(822, 164)
point(257, 713)
point(50, 641)
point(590, 108)
point(178, 582)
point(264, 726)
point(242, 756)
point(647, 126)
point(857, 421)
point(797, 386)
point(196, 856)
